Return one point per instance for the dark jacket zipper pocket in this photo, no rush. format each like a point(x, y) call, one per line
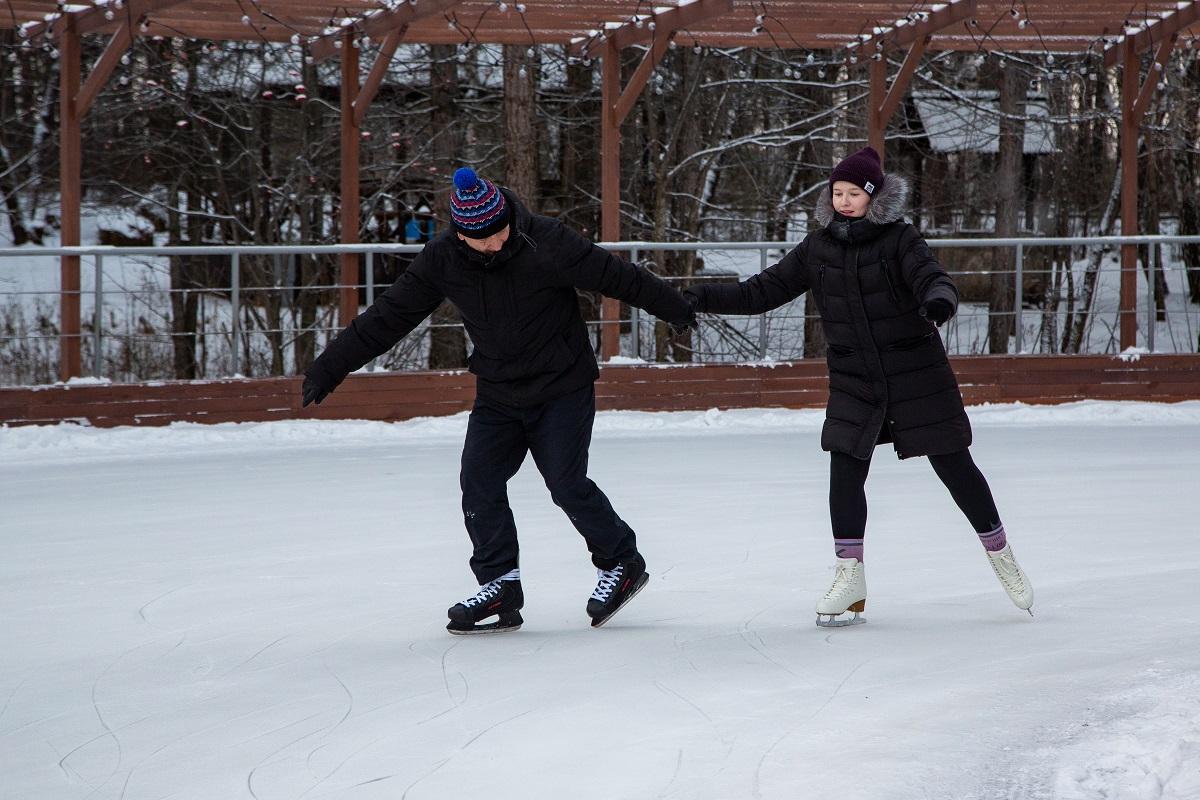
point(887, 276)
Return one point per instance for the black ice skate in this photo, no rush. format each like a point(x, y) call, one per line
point(500, 598)
point(615, 588)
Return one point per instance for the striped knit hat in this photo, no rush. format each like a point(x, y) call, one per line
point(477, 205)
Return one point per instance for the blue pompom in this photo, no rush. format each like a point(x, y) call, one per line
point(465, 178)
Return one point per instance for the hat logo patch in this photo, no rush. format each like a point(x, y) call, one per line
point(870, 187)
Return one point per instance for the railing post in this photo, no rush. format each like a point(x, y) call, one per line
point(762, 318)
point(635, 332)
point(1017, 295)
point(98, 320)
point(1151, 290)
point(369, 265)
point(235, 291)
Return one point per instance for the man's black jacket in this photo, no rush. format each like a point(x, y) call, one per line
point(519, 308)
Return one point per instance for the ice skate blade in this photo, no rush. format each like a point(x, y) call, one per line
point(642, 581)
point(833, 621)
point(506, 623)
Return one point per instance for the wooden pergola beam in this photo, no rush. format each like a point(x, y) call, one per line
point(1165, 27)
point(645, 27)
point(1150, 85)
point(916, 35)
point(70, 148)
point(102, 71)
point(1135, 99)
point(616, 103)
point(350, 189)
point(375, 78)
point(379, 23)
point(95, 18)
point(637, 82)
point(905, 31)
point(900, 84)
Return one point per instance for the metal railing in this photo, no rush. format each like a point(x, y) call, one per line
point(752, 337)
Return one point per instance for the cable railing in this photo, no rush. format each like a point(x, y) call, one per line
point(155, 313)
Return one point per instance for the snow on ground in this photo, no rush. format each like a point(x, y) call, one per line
point(257, 611)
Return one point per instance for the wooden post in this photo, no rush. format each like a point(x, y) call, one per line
point(1130, 85)
point(610, 188)
point(876, 123)
point(69, 165)
point(348, 295)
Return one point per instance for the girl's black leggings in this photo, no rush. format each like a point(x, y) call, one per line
point(848, 497)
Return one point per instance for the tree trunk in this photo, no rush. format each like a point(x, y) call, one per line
point(1187, 164)
point(309, 211)
point(183, 299)
point(447, 341)
point(1075, 343)
point(1150, 224)
point(1008, 207)
point(521, 69)
point(577, 152)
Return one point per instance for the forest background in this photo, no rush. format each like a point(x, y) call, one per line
point(237, 143)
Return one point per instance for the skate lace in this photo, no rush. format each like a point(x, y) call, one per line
point(1008, 572)
point(841, 582)
point(486, 593)
point(608, 579)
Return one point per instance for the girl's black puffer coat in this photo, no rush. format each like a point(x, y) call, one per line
point(889, 378)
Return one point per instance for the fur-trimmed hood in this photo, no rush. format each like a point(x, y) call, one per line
point(887, 206)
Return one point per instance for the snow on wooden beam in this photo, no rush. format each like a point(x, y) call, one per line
point(1153, 32)
point(643, 26)
point(89, 19)
point(377, 24)
point(916, 27)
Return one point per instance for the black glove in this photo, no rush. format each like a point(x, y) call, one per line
point(937, 311)
point(313, 392)
point(680, 327)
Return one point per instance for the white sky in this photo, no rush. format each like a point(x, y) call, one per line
point(257, 611)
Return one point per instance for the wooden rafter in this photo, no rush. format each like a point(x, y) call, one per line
point(378, 23)
point(1150, 85)
point(378, 72)
point(919, 26)
point(95, 18)
point(1054, 25)
point(1167, 26)
point(645, 27)
point(900, 84)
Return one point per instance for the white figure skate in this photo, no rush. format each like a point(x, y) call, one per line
point(1012, 577)
point(847, 593)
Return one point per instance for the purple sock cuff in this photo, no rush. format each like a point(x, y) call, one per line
point(994, 540)
point(848, 548)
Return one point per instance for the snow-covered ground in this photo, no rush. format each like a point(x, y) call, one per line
point(257, 611)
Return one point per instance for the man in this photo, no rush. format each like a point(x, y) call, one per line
point(513, 276)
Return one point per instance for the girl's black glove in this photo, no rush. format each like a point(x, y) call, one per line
point(313, 392)
point(937, 311)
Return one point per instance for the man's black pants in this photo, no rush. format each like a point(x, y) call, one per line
point(557, 433)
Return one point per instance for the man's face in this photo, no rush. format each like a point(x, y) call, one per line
point(489, 246)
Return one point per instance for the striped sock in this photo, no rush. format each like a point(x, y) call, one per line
point(512, 575)
point(994, 540)
point(848, 548)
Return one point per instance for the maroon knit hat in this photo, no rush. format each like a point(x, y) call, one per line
point(863, 169)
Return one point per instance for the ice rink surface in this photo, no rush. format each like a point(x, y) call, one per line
point(258, 611)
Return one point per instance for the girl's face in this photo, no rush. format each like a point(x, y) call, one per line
point(850, 200)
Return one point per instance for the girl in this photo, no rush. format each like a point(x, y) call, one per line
point(880, 292)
